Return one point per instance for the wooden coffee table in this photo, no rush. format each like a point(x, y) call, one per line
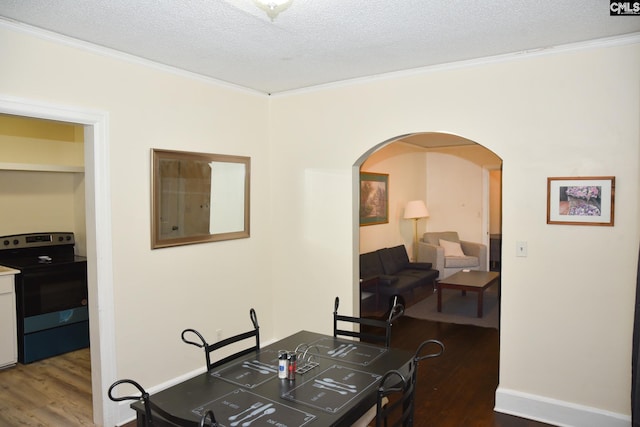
point(474, 281)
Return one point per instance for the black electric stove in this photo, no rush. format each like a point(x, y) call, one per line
point(51, 293)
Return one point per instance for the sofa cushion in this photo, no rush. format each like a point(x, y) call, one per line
point(451, 248)
point(399, 254)
point(403, 285)
point(387, 280)
point(433, 238)
point(394, 259)
point(370, 265)
point(419, 277)
point(421, 265)
point(461, 261)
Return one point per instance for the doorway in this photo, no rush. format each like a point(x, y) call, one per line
point(98, 238)
point(430, 167)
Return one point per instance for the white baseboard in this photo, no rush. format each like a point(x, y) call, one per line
point(126, 414)
point(556, 412)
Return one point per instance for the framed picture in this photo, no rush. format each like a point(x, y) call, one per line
point(374, 198)
point(580, 200)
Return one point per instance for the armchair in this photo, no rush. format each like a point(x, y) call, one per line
point(473, 256)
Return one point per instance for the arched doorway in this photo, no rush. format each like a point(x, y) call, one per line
point(459, 179)
point(428, 166)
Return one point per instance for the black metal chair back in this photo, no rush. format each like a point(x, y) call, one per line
point(155, 415)
point(210, 348)
point(401, 393)
point(394, 389)
point(368, 336)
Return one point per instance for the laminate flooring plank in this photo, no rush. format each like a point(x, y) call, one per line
point(51, 392)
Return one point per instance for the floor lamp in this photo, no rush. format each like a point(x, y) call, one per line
point(415, 210)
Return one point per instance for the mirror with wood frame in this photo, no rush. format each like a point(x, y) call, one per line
point(198, 197)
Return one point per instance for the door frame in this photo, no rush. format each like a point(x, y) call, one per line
point(99, 240)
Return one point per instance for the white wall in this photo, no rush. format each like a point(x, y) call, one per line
point(568, 306)
point(455, 196)
point(566, 328)
point(495, 202)
point(34, 194)
point(43, 142)
point(158, 293)
point(37, 201)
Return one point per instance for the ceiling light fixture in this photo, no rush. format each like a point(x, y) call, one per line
point(273, 7)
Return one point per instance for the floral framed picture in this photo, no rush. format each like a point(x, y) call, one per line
point(581, 200)
point(374, 198)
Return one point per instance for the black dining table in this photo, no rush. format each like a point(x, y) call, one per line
point(335, 384)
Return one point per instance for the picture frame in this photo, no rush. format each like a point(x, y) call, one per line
point(374, 198)
point(581, 200)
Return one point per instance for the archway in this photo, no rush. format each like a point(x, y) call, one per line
point(455, 176)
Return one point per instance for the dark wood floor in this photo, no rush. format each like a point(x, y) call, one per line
point(458, 388)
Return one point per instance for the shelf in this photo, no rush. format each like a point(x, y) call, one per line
point(33, 167)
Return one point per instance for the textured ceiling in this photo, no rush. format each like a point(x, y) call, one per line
point(315, 42)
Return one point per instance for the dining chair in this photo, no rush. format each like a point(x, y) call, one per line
point(396, 311)
point(155, 415)
point(210, 348)
point(398, 391)
point(393, 397)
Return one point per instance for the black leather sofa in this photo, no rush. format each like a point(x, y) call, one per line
point(396, 275)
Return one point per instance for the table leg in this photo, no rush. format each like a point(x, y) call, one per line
point(480, 302)
point(439, 288)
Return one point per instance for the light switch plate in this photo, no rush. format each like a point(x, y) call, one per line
point(521, 249)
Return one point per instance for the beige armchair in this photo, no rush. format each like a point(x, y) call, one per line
point(448, 254)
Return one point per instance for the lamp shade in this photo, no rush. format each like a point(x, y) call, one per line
point(415, 209)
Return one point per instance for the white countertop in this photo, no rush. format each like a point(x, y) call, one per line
point(8, 270)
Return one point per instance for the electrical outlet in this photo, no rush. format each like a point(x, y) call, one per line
point(521, 249)
point(218, 334)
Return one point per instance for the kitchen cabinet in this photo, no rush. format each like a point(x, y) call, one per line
point(8, 331)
